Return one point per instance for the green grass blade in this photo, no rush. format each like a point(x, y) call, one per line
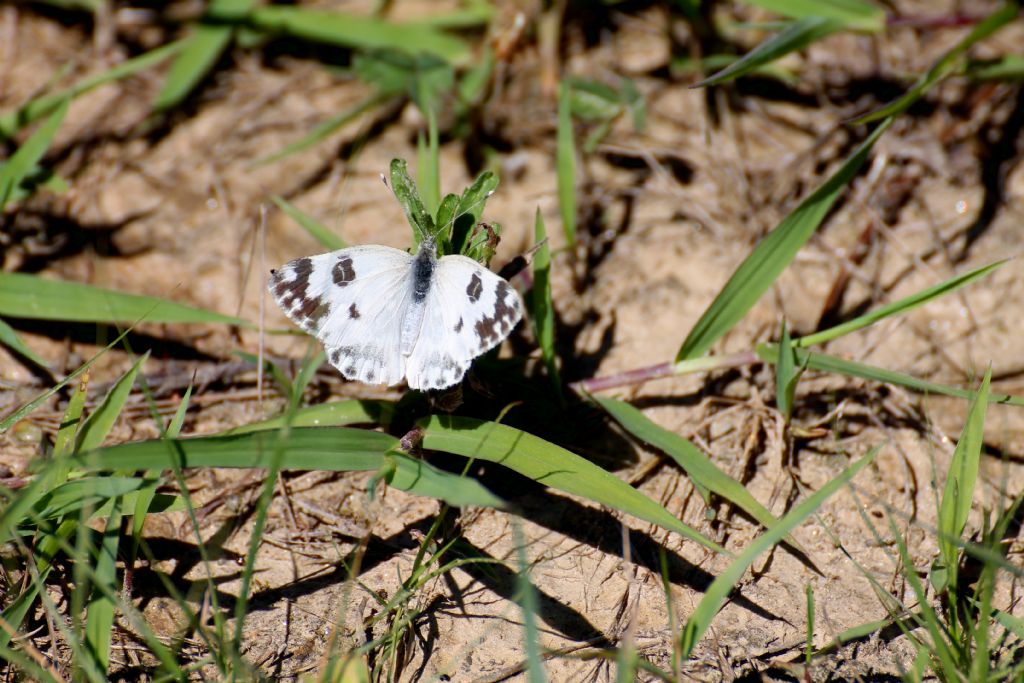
point(12, 122)
point(857, 14)
point(902, 306)
point(24, 410)
point(529, 604)
point(334, 414)
point(796, 36)
point(565, 162)
point(30, 153)
point(100, 421)
point(39, 298)
point(697, 466)
point(551, 465)
point(99, 620)
point(336, 449)
point(352, 30)
point(785, 375)
point(201, 51)
point(826, 363)
point(1005, 68)
point(428, 165)
point(409, 197)
point(958, 493)
point(324, 130)
point(542, 308)
point(83, 492)
point(724, 583)
point(946, 64)
point(10, 339)
point(769, 258)
point(317, 230)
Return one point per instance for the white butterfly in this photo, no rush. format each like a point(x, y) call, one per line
point(384, 314)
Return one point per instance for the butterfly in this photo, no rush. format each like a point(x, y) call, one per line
point(384, 314)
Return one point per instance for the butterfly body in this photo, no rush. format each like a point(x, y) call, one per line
point(385, 315)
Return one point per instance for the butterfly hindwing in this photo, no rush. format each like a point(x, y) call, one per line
point(353, 301)
point(468, 311)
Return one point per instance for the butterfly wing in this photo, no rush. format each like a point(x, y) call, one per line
point(353, 301)
point(468, 310)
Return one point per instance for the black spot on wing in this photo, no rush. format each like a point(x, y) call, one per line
point(495, 327)
point(290, 286)
point(458, 325)
point(475, 288)
point(343, 272)
point(353, 312)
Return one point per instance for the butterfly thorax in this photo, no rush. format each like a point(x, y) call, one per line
point(422, 276)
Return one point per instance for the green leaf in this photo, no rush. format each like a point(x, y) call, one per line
point(697, 466)
point(30, 153)
point(24, 410)
point(322, 131)
point(336, 449)
point(540, 298)
point(769, 258)
point(12, 122)
point(796, 36)
point(786, 375)
point(10, 339)
point(719, 590)
point(317, 230)
point(407, 195)
point(99, 620)
point(856, 14)
point(99, 423)
point(946, 64)
point(355, 31)
point(1005, 68)
point(39, 298)
point(839, 366)
point(468, 212)
point(202, 50)
point(958, 493)
point(550, 465)
point(902, 306)
point(565, 162)
point(335, 414)
point(428, 164)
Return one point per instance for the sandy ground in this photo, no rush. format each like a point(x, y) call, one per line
point(667, 215)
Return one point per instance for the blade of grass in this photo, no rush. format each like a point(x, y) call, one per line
point(958, 492)
point(697, 466)
point(796, 36)
point(550, 465)
point(769, 258)
point(785, 375)
point(325, 129)
point(839, 366)
point(946, 64)
point(355, 31)
point(565, 162)
point(543, 310)
point(201, 51)
point(528, 603)
point(99, 620)
point(317, 230)
point(101, 420)
point(335, 449)
point(902, 306)
point(30, 153)
point(334, 414)
point(39, 298)
point(10, 339)
point(12, 122)
point(857, 14)
point(716, 594)
point(428, 164)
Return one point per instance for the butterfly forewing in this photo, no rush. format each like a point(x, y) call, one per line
point(353, 300)
point(468, 310)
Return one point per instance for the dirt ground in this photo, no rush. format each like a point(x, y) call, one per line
point(666, 216)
